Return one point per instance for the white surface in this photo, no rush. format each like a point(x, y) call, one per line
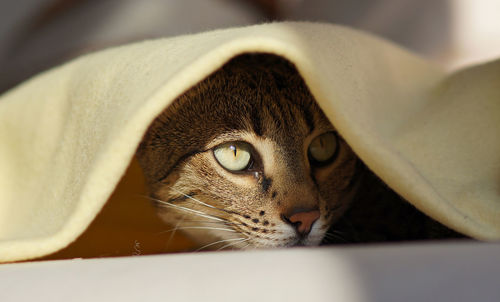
point(406, 272)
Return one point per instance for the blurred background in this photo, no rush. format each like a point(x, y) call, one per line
point(38, 34)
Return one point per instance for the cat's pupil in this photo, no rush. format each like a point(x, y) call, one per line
point(233, 156)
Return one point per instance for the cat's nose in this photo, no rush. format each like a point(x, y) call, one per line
point(302, 221)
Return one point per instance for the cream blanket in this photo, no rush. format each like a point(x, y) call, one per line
point(68, 135)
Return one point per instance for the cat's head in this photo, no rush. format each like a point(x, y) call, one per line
point(246, 158)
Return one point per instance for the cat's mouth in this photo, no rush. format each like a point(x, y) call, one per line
point(314, 238)
point(306, 241)
point(285, 240)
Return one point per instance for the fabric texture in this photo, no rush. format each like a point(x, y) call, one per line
point(68, 135)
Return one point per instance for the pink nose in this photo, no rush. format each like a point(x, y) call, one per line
point(303, 221)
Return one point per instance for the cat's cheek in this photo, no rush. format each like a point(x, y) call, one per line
point(314, 239)
point(238, 180)
point(318, 230)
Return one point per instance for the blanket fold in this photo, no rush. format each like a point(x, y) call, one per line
point(68, 135)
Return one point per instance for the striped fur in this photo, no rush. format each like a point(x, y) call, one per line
point(259, 99)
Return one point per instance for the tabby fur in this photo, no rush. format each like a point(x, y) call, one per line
point(259, 99)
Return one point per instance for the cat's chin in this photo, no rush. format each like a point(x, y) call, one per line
point(295, 241)
point(308, 241)
point(289, 238)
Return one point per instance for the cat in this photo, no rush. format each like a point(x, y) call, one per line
point(247, 159)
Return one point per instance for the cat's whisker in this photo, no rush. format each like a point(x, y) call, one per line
point(199, 213)
point(220, 241)
point(340, 233)
point(336, 236)
point(330, 235)
point(227, 223)
point(200, 227)
point(232, 244)
point(197, 200)
point(245, 246)
point(171, 237)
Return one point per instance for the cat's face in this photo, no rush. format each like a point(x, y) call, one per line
point(247, 159)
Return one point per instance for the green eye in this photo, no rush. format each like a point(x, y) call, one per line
point(234, 156)
point(323, 149)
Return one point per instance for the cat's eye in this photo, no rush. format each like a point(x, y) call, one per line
point(323, 149)
point(234, 156)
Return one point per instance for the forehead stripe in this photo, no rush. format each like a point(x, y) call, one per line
point(256, 119)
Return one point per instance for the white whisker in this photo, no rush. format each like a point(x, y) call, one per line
point(333, 236)
point(199, 213)
point(220, 241)
point(197, 200)
point(227, 223)
point(200, 227)
point(245, 246)
point(232, 243)
point(173, 233)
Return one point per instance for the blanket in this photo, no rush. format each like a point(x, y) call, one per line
point(68, 135)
